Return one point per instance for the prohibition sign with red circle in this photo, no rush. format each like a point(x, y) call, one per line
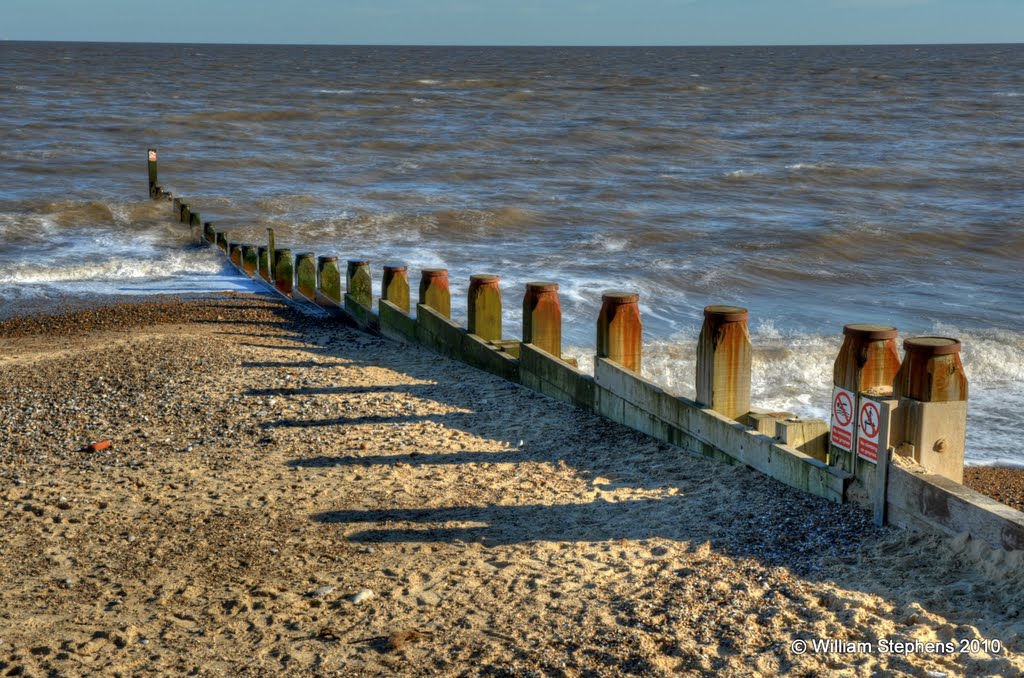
point(869, 418)
point(842, 408)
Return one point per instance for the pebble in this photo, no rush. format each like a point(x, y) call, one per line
point(362, 596)
point(323, 591)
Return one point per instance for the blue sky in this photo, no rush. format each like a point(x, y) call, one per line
point(517, 22)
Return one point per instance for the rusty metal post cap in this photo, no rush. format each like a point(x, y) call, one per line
point(435, 273)
point(395, 268)
point(305, 255)
point(327, 259)
point(542, 286)
point(729, 314)
point(483, 278)
point(617, 297)
point(358, 262)
point(931, 346)
point(869, 331)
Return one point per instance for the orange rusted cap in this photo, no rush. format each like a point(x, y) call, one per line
point(932, 345)
point(542, 286)
point(729, 314)
point(327, 259)
point(870, 332)
point(395, 268)
point(359, 262)
point(435, 272)
point(483, 278)
point(617, 297)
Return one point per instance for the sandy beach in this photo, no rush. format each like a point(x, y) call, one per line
point(290, 496)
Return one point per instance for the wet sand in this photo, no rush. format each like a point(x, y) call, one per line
point(291, 496)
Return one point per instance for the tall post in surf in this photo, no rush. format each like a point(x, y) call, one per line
point(154, 191)
point(931, 387)
point(484, 307)
point(328, 276)
point(434, 290)
point(394, 286)
point(542, 317)
point(862, 404)
point(619, 330)
point(724, 361)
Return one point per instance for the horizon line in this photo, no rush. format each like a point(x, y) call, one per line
point(515, 45)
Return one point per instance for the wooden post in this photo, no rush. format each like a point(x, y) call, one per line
point(358, 284)
point(329, 278)
point(264, 262)
point(932, 390)
point(394, 286)
point(195, 225)
point(485, 307)
point(434, 290)
point(250, 260)
point(866, 365)
point(619, 330)
point(542, 317)
point(222, 240)
point(209, 232)
point(235, 253)
point(283, 273)
point(305, 274)
point(153, 193)
point(272, 255)
point(176, 207)
point(724, 360)
point(185, 214)
point(868, 359)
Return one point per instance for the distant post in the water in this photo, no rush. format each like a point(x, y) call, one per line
point(619, 330)
point(222, 240)
point(542, 317)
point(724, 361)
point(434, 291)
point(485, 307)
point(394, 286)
point(271, 256)
point(264, 262)
point(283, 272)
point(250, 259)
point(235, 253)
point(358, 284)
point(209, 232)
point(329, 278)
point(305, 274)
point(152, 173)
point(932, 390)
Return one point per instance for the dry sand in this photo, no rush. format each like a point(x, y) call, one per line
point(287, 496)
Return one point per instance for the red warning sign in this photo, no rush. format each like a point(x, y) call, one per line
point(869, 423)
point(843, 410)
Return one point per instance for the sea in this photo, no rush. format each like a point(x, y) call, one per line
point(815, 186)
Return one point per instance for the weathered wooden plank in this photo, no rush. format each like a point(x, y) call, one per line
point(483, 355)
point(723, 434)
point(394, 322)
point(914, 499)
point(558, 378)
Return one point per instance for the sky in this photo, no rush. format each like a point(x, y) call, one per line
point(517, 22)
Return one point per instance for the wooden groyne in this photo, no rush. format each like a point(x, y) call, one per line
point(895, 443)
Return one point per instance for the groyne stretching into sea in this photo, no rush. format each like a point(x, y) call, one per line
point(895, 444)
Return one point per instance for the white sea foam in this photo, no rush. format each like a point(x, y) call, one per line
point(175, 263)
point(793, 373)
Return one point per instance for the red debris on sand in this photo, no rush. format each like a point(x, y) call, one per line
point(98, 445)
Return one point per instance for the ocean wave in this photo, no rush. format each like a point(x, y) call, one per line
point(175, 263)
